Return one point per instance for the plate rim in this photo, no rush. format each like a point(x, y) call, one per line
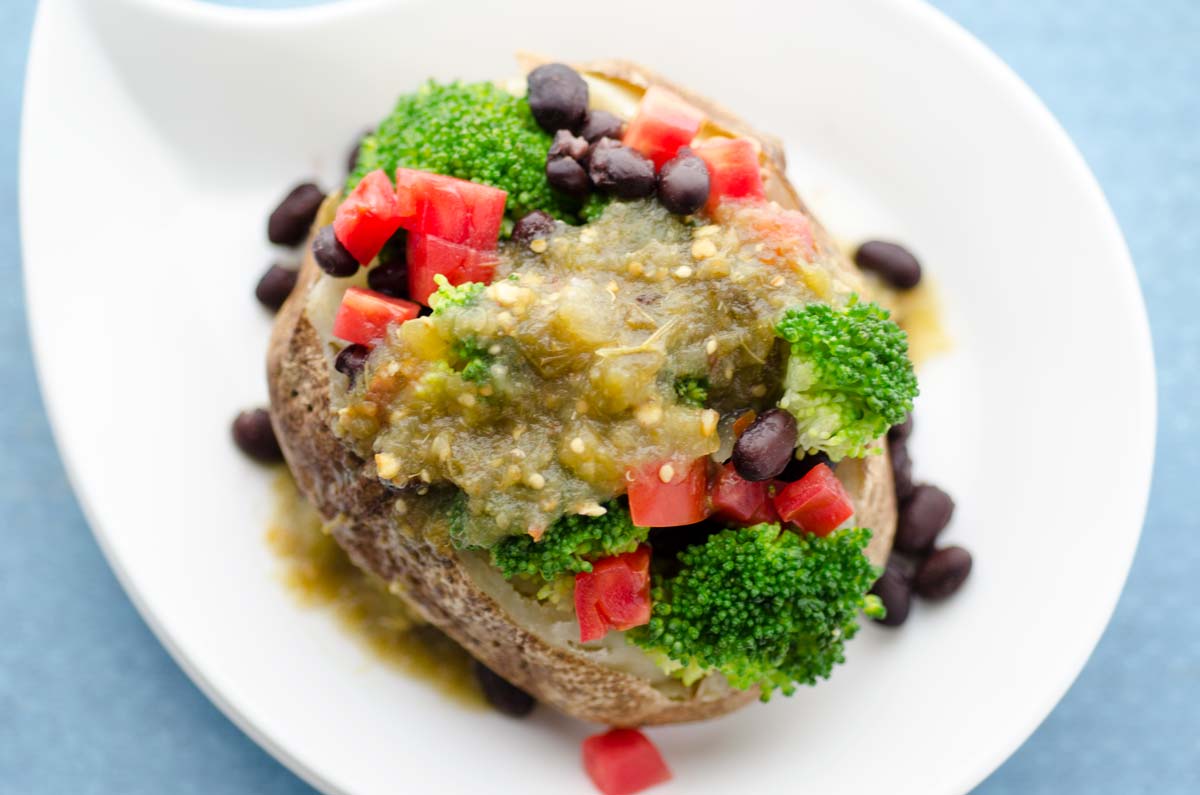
point(947, 30)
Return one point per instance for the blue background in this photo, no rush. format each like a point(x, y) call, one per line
point(90, 703)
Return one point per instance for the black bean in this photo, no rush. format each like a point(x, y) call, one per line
point(558, 97)
point(289, 223)
point(567, 176)
point(764, 449)
point(275, 286)
point(567, 145)
point(502, 694)
point(799, 467)
point(943, 573)
point(683, 183)
point(891, 262)
point(894, 589)
point(619, 170)
point(389, 278)
point(905, 564)
point(352, 158)
point(254, 436)
point(601, 124)
point(331, 256)
point(901, 432)
point(350, 361)
point(901, 470)
point(923, 515)
point(533, 226)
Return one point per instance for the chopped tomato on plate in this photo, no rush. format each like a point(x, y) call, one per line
point(623, 761)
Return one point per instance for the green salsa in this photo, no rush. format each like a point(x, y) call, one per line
point(596, 351)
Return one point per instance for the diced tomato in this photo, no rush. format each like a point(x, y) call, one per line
point(592, 625)
point(664, 122)
point(733, 170)
point(364, 315)
point(442, 213)
point(784, 234)
point(615, 594)
point(682, 500)
point(816, 503)
point(742, 501)
point(624, 588)
point(623, 761)
point(454, 210)
point(369, 216)
point(486, 205)
point(428, 256)
point(771, 223)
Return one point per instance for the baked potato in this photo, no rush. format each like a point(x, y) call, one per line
point(387, 531)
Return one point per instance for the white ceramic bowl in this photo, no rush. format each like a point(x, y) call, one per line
point(158, 134)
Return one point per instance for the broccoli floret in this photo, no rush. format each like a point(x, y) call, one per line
point(449, 296)
point(474, 360)
point(474, 131)
point(570, 544)
point(763, 606)
point(848, 377)
point(692, 390)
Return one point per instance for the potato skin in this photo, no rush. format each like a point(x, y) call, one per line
point(434, 580)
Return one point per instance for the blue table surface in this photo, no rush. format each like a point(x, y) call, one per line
point(90, 703)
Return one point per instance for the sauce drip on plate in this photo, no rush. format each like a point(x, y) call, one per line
point(320, 574)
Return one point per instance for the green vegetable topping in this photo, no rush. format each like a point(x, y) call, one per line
point(474, 360)
point(848, 377)
point(570, 544)
point(692, 390)
point(763, 606)
point(474, 131)
point(449, 296)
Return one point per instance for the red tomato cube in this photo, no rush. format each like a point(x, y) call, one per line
point(592, 625)
point(369, 216)
point(816, 503)
point(664, 122)
point(364, 315)
point(615, 594)
point(623, 761)
point(442, 213)
point(428, 256)
point(680, 500)
point(733, 170)
point(486, 207)
point(784, 234)
point(742, 501)
point(624, 588)
point(452, 209)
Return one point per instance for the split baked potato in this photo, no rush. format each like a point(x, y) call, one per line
point(526, 641)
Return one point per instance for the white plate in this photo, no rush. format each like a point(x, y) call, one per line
point(156, 137)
